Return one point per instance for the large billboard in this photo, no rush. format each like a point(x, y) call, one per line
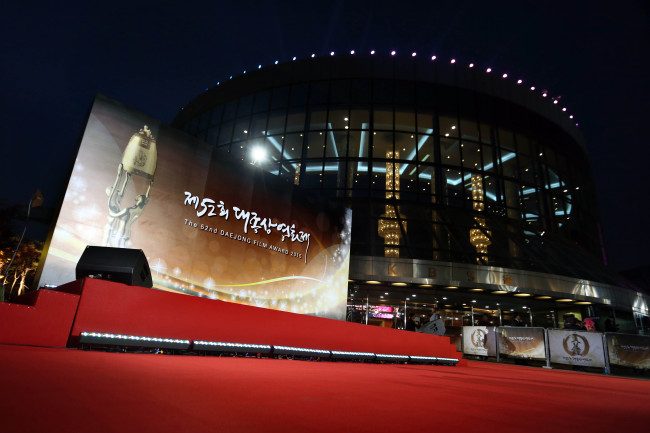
point(209, 225)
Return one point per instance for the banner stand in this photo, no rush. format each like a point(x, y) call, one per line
point(606, 353)
point(496, 331)
point(547, 351)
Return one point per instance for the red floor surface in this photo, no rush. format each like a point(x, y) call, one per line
point(66, 390)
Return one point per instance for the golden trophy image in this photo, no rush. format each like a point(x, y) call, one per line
point(139, 159)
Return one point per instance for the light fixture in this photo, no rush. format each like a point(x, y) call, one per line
point(372, 282)
point(399, 284)
point(500, 292)
point(451, 287)
point(299, 351)
point(219, 346)
point(488, 70)
point(583, 303)
point(258, 154)
point(542, 297)
point(476, 290)
point(392, 53)
point(564, 300)
point(426, 285)
point(523, 295)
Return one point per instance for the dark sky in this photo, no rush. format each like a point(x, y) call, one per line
point(156, 56)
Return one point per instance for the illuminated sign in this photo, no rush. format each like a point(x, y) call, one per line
point(210, 225)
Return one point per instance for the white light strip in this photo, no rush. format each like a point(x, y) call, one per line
point(301, 349)
point(384, 356)
point(331, 134)
point(336, 352)
point(133, 338)
point(362, 166)
point(232, 345)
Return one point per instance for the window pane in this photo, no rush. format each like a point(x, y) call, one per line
point(315, 145)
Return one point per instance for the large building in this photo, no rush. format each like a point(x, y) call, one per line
point(470, 189)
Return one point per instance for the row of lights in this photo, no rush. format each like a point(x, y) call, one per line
point(220, 346)
point(494, 292)
point(433, 58)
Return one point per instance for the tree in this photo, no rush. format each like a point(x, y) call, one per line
point(20, 276)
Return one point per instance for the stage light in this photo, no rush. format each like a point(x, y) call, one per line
point(220, 346)
point(384, 357)
point(336, 354)
point(299, 351)
point(432, 360)
point(101, 338)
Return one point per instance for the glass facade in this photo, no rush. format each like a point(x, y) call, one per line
point(433, 167)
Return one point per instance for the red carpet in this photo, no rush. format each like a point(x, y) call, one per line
point(66, 390)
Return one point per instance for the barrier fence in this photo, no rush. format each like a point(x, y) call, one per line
point(558, 346)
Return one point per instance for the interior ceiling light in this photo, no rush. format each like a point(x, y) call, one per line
point(565, 300)
point(523, 295)
point(583, 303)
point(499, 292)
point(372, 282)
point(451, 287)
point(475, 290)
point(543, 297)
point(399, 284)
point(426, 285)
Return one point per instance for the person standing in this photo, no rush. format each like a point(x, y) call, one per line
point(517, 321)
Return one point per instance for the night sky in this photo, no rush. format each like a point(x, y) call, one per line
point(157, 56)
